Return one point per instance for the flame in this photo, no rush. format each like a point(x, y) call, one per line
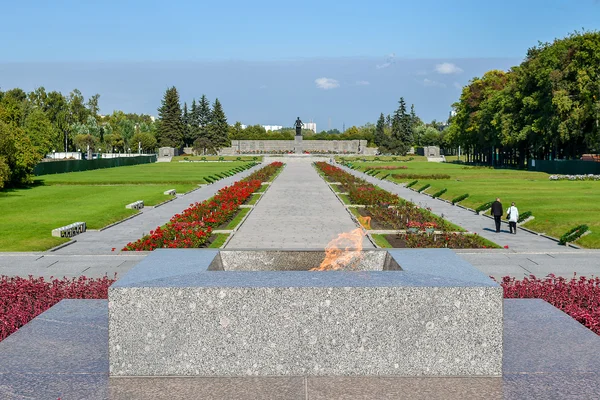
point(365, 222)
point(343, 252)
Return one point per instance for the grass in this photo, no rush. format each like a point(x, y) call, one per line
point(253, 199)
point(219, 240)
point(216, 158)
point(262, 189)
point(381, 241)
point(380, 159)
point(345, 198)
point(29, 215)
point(238, 218)
point(96, 197)
point(189, 174)
point(336, 188)
point(556, 205)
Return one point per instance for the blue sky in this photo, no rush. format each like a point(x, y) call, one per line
point(268, 61)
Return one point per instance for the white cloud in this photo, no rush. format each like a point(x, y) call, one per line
point(362, 83)
point(448, 68)
point(430, 83)
point(389, 60)
point(327, 83)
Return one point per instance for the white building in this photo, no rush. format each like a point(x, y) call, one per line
point(312, 126)
point(272, 127)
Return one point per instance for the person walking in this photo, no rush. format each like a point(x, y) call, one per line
point(512, 214)
point(497, 212)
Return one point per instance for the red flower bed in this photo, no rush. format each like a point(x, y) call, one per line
point(22, 299)
point(193, 227)
point(578, 297)
point(359, 190)
point(432, 241)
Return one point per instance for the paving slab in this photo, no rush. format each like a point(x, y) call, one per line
point(299, 210)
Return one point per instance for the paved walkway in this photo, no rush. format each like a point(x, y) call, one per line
point(480, 224)
point(299, 210)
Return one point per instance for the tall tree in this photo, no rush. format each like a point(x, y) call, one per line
point(204, 116)
point(218, 128)
point(92, 104)
point(194, 122)
point(380, 138)
point(170, 127)
point(401, 129)
point(185, 119)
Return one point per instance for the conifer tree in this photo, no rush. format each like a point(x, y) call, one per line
point(194, 122)
point(170, 127)
point(185, 120)
point(204, 116)
point(380, 138)
point(218, 128)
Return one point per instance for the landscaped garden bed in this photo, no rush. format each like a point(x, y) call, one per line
point(22, 299)
point(193, 227)
point(417, 227)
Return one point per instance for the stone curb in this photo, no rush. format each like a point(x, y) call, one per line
point(60, 246)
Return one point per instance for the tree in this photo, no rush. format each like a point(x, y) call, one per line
point(401, 130)
point(204, 117)
point(17, 154)
point(146, 140)
point(218, 127)
point(77, 107)
point(82, 141)
point(194, 123)
point(44, 138)
point(380, 138)
point(93, 105)
point(205, 145)
point(170, 128)
point(185, 119)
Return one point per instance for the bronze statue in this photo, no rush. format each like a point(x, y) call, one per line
point(298, 124)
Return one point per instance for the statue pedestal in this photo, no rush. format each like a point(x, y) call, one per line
point(298, 148)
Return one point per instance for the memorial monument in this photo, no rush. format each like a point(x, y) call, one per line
point(298, 148)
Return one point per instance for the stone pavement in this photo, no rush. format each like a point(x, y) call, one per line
point(299, 210)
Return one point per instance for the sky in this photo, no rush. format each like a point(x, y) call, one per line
point(336, 63)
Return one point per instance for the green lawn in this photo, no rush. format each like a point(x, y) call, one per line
point(381, 241)
point(238, 218)
point(556, 205)
point(219, 241)
point(189, 174)
point(29, 215)
point(253, 199)
point(97, 197)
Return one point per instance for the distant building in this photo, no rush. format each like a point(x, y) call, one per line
point(312, 126)
point(272, 127)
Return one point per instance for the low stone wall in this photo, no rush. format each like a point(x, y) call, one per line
point(292, 146)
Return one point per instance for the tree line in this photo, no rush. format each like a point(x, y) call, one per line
point(548, 107)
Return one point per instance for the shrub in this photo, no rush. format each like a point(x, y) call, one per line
point(423, 187)
point(573, 234)
point(460, 198)
point(438, 194)
point(579, 298)
point(411, 184)
point(385, 176)
point(484, 207)
point(22, 299)
point(524, 216)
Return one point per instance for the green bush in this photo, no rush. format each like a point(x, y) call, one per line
point(524, 216)
point(423, 188)
point(438, 194)
point(385, 176)
point(203, 158)
point(460, 198)
point(221, 158)
point(573, 234)
point(484, 207)
point(413, 183)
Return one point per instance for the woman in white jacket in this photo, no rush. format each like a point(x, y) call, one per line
point(513, 216)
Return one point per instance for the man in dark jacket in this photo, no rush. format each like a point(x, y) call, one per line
point(497, 211)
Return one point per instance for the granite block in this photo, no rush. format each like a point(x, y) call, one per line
point(70, 327)
point(413, 388)
point(242, 318)
point(264, 388)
